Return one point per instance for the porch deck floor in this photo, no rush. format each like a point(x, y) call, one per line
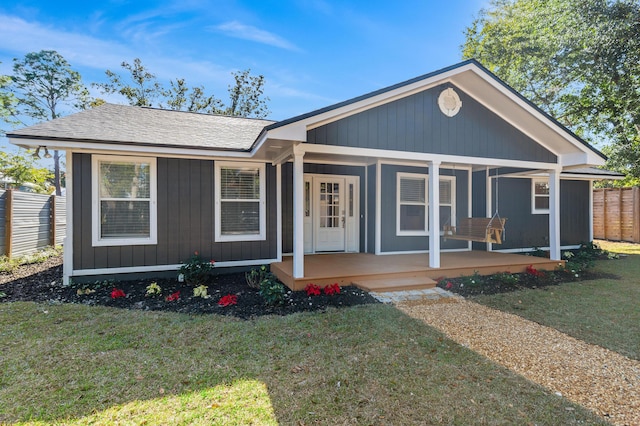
point(400, 271)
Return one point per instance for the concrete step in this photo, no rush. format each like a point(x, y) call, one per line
point(394, 284)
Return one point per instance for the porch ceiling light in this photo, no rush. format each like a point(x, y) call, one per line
point(449, 102)
point(37, 153)
point(46, 153)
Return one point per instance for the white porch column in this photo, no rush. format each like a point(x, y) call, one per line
point(67, 245)
point(298, 213)
point(434, 214)
point(554, 214)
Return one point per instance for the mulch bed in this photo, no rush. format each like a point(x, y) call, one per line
point(494, 284)
point(43, 283)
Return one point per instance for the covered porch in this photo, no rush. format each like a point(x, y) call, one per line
point(400, 271)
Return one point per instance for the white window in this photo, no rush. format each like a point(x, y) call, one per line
point(124, 208)
point(447, 201)
point(413, 203)
point(240, 201)
point(539, 196)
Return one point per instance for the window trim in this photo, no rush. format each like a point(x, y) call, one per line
point(415, 176)
point(262, 235)
point(452, 205)
point(534, 210)
point(98, 241)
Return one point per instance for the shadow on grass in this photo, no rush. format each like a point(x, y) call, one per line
point(370, 364)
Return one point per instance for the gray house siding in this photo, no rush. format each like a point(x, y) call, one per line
point(391, 242)
point(416, 124)
point(185, 219)
point(525, 229)
point(287, 197)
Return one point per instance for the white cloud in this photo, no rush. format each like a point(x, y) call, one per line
point(247, 32)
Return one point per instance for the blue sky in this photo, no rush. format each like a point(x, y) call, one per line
point(313, 53)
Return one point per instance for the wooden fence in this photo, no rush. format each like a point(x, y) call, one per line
point(30, 222)
point(616, 214)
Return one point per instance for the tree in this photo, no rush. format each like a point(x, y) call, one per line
point(20, 167)
point(579, 60)
point(43, 82)
point(142, 88)
point(7, 101)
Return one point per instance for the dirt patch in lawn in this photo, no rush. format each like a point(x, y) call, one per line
point(43, 283)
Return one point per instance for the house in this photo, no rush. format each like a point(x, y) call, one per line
point(381, 174)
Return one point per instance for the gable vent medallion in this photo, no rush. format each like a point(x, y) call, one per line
point(449, 102)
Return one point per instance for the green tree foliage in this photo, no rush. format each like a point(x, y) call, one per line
point(141, 88)
point(43, 83)
point(21, 168)
point(7, 101)
point(579, 60)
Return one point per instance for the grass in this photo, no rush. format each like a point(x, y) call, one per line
point(603, 311)
point(79, 365)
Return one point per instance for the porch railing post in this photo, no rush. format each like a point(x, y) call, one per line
point(434, 214)
point(298, 214)
point(554, 214)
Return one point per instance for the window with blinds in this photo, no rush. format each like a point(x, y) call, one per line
point(413, 203)
point(124, 208)
point(240, 214)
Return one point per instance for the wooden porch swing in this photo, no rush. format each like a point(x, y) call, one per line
point(479, 229)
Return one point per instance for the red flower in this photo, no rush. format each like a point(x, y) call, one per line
point(312, 290)
point(533, 271)
point(212, 261)
point(449, 285)
point(117, 293)
point(229, 299)
point(173, 297)
point(195, 253)
point(332, 289)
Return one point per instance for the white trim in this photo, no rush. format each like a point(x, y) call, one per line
point(279, 212)
point(488, 201)
point(98, 241)
point(434, 213)
point(534, 210)
point(162, 268)
point(261, 235)
point(418, 157)
point(67, 264)
point(590, 210)
point(412, 176)
point(378, 227)
point(528, 249)
point(298, 213)
point(366, 210)
point(136, 149)
point(554, 215)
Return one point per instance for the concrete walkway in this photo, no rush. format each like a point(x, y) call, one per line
point(596, 378)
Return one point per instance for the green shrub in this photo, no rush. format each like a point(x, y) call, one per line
point(256, 276)
point(272, 291)
point(196, 270)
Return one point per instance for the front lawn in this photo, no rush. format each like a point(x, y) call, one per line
point(602, 311)
point(76, 364)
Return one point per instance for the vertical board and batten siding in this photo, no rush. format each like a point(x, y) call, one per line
point(390, 242)
point(31, 225)
point(320, 169)
point(524, 229)
point(616, 214)
point(416, 124)
point(185, 219)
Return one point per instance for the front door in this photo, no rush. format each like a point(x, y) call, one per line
point(329, 213)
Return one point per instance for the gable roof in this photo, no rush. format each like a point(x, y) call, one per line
point(130, 125)
point(478, 82)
